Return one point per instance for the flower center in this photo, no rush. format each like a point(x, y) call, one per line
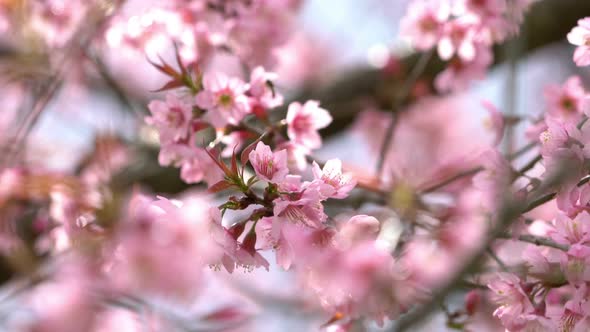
point(175, 117)
point(225, 100)
point(428, 24)
point(568, 103)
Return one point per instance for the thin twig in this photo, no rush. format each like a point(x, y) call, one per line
point(404, 91)
point(537, 240)
point(452, 179)
point(497, 259)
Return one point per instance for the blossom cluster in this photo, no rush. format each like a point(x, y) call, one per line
point(463, 32)
point(249, 29)
point(101, 247)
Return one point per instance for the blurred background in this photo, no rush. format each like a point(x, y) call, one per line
point(343, 52)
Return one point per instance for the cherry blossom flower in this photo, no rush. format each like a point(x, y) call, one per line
point(172, 118)
point(197, 166)
point(494, 121)
point(357, 229)
point(572, 231)
point(233, 253)
point(269, 166)
point(575, 312)
point(458, 38)
point(565, 103)
point(304, 121)
point(152, 247)
point(270, 235)
point(296, 155)
point(262, 94)
point(494, 180)
point(460, 73)
point(480, 8)
point(335, 183)
point(300, 204)
point(224, 99)
point(580, 36)
point(514, 301)
point(424, 21)
point(576, 264)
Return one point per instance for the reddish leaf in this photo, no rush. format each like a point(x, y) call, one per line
point(221, 165)
point(246, 152)
point(225, 314)
point(219, 186)
point(199, 125)
point(170, 85)
point(179, 60)
point(165, 68)
point(234, 162)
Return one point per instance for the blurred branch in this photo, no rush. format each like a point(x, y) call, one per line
point(417, 70)
point(96, 16)
point(547, 22)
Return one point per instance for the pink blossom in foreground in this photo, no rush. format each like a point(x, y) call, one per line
point(153, 245)
point(304, 121)
point(224, 99)
point(335, 183)
point(580, 36)
point(424, 21)
point(269, 166)
point(514, 301)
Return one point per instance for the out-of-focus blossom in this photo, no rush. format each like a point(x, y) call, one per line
point(304, 121)
point(565, 102)
point(296, 155)
point(197, 166)
point(580, 36)
point(458, 39)
point(460, 73)
point(172, 118)
point(424, 22)
point(262, 93)
point(494, 180)
point(495, 121)
point(154, 245)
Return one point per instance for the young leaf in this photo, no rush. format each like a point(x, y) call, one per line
point(220, 186)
